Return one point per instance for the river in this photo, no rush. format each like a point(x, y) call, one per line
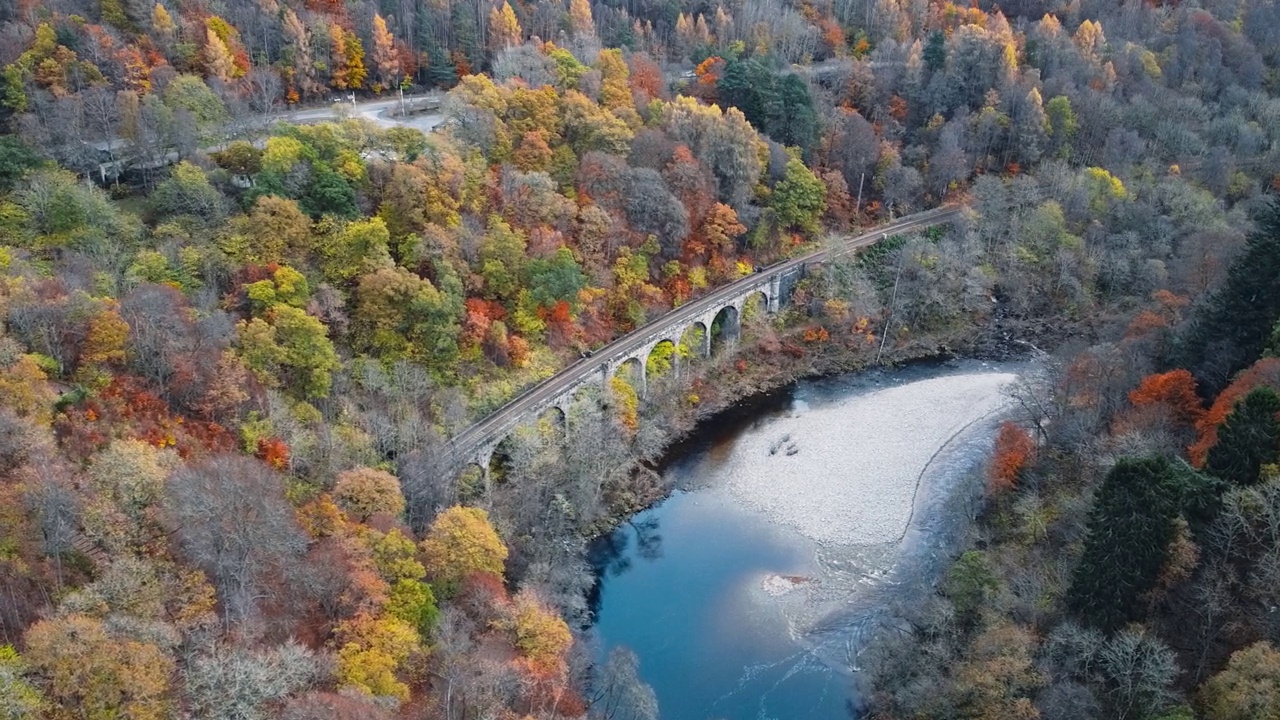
point(796, 523)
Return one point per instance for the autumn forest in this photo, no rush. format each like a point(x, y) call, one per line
point(235, 343)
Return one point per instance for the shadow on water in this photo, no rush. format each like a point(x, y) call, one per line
point(609, 555)
point(684, 583)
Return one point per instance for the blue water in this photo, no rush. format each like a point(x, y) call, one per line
point(681, 584)
point(709, 648)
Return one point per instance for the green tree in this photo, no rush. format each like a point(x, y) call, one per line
point(502, 259)
point(19, 699)
point(749, 86)
point(286, 286)
point(1248, 439)
point(439, 71)
point(935, 51)
point(799, 198)
point(400, 315)
point(329, 193)
point(188, 192)
point(969, 582)
point(1130, 528)
point(15, 160)
point(792, 119)
point(1062, 123)
point(559, 277)
point(1233, 328)
point(289, 348)
point(413, 602)
point(568, 68)
point(189, 93)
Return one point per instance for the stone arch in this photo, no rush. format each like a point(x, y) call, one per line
point(755, 304)
point(662, 359)
point(499, 460)
point(472, 482)
point(556, 418)
point(696, 339)
point(725, 327)
point(632, 370)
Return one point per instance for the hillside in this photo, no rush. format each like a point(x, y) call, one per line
point(233, 350)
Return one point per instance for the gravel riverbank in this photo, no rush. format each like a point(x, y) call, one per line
point(848, 475)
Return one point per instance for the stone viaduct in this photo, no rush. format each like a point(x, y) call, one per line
point(722, 308)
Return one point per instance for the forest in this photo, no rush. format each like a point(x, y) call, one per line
point(233, 350)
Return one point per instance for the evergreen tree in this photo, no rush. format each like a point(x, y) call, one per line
point(439, 72)
point(15, 160)
point(1249, 439)
point(748, 86)
point(466, 33)
point(935, 51)
point(1233, 328)
point(793, 120)
point(1130, 527)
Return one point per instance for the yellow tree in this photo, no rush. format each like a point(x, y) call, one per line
point(504, 28)
point(365, 492)
point(278, 227)
point(371, 651)
point(462, 542)
point(92, 675)
point(1247, 689)
point(303, 71)
point(541, 635)
point(19, 699)
point(338, 57)
point(385, 57)
point(615, 90)
point(580, 18)
point(1090, 39)
point(356, 72)
point(104, 344)
point(162, 22)
point(218, 61)
point(131, 473)
point(24, 388)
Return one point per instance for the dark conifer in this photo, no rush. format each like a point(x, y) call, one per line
point(1249, 439)
point(1129, 532)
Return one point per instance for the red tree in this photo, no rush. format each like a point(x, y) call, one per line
point(1264, 372)
point(1014, 449)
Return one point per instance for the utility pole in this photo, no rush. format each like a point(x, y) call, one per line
point(858, 209)
point(893, 308)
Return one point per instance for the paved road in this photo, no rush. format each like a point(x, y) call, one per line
point(506, 418)
point(375, 111)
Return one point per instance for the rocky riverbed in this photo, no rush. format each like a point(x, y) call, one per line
point(848, 475)
point(752, 590)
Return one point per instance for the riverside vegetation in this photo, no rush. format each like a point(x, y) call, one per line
point(227, 377)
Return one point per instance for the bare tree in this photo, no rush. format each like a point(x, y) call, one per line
point(620, 693)
point(231, 519)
